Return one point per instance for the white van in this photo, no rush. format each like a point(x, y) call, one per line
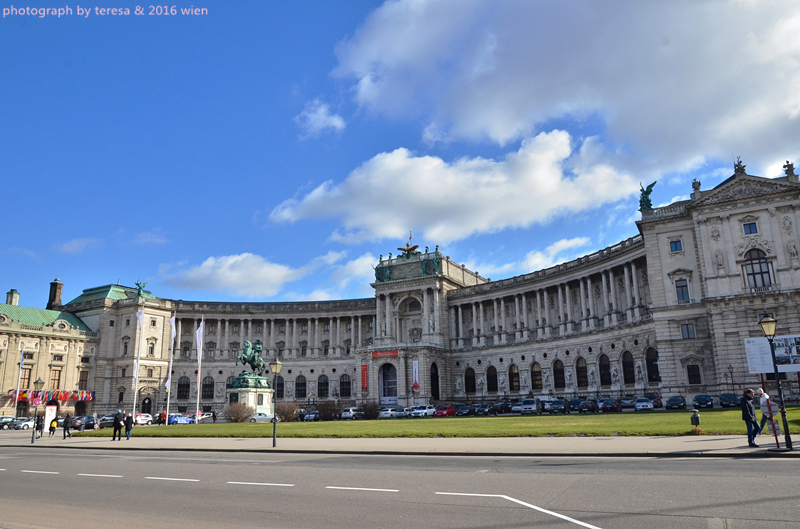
point(531, 406)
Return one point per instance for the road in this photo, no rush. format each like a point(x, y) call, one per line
point(95, 488)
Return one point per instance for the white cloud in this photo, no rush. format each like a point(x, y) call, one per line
point(22, 251)
point(670, 94)
point(316, 118)
point(351, 279)
point(558, 252)
point(243, 274)
point(450, 201)
point(150, 238)
point(76, 245)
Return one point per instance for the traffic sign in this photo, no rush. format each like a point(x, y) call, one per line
point(37, 401)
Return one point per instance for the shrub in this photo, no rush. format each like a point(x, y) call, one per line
point(287, 411)
point(327, 411)
point(238, 412)
point(371, 410)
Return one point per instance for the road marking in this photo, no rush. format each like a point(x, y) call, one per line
point(172, 479)
point(100, 475)
point(534, 507)
point(359, 488)
point(39, 472)
point(263, 484)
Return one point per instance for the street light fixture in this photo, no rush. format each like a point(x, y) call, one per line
point(768, 325)
point(730, 370)
point(38, 385)
point(275, 366)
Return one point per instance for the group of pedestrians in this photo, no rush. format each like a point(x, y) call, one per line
point(121, 420)
point(749, 413)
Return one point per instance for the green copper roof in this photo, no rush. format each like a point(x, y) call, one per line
point(109, 292)
point(39, 317)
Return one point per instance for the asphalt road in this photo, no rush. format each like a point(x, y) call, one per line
point(95, 488)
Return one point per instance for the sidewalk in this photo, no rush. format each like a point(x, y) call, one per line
point(686, 446)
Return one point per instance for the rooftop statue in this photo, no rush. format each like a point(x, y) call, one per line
point(644, 199)
point(788, 169)
point(140, 288)
point(738, 167)
point(409, 250)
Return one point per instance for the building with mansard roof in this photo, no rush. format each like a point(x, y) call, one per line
point(665, 311)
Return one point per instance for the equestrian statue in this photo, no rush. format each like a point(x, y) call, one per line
point(251, 355)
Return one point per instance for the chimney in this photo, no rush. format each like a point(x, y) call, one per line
point(56, 287)
point(12, 297)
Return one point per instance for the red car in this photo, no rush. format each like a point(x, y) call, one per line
point(445, 411)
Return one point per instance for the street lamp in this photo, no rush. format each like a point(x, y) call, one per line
point(38, 385)
point(730, 370)
point(768, 325)
point(275, 366)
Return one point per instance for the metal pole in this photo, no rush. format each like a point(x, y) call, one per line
point(169, 374)
point(787, 437)
point(136, 364)
point(19, 376)
point(274, 414)
point(33, 434)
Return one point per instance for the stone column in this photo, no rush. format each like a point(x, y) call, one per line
point(426, 328)
point(570, 315)
point(606, 318)
point(562, 323)
point(436, 315)
point(272, 336)
point(358, 322)
point(496, 330)
point(461, 333)
point(194, 340)
point(582, 294)
point(222, 343)
point(177, 346)
point(539, 325)
point(504, 336)
point(517, 324)
point(338, 350)
point(474, 325)
point(388, 315)
point(546, 311)
point(453, 336)
point(295, 345)
point(634, 273)
point(526, 333)
point(592, 310)
point(378, 318)
point(615, 303)
point(483, 327)
point(628, 306)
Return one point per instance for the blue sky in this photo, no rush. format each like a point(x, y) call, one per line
point(274, 152)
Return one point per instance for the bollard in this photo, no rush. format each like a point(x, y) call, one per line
point(83, 427)
point(695, 418)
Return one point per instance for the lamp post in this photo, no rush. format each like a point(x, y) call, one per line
point(275, 366)
point(38, 385)
point(768, 325)
point(726, 379)
point(730, 370)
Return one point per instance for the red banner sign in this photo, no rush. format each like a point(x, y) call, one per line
point(364, 378)
point(379, 354)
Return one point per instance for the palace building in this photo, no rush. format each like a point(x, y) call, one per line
point(665, 311)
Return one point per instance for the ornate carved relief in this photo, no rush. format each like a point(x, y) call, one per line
point(754, 241)
point(786, 224)
point(715, 233)
point(745, 189)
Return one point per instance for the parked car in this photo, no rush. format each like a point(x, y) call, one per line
point(7, 421)
point(105, 421)
point(530, 406)
point(675, 403)
point(352, 413)
point(445, 411)
point(628, 401)
point(424, 411)
point(574, 404)
point(87, 421)
point(387, 413)
point(502, 407)
point(262, 417)
point(179, 418)
point(485, 410)
point(464, 411)
point(206, 416)
point(301, 414)
point(655, 398)
point(24, 423)
point(606, 405)
point(403, 413)
point(558, 406)
point(702, 401)
point(588, 406)
point(311, 416)
point(729, 400)
point(144, 419)
point(516, 407)
point(643, 404)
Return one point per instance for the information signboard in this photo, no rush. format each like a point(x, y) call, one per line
point(759, 359)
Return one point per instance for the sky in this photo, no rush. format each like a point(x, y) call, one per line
point(273, 151)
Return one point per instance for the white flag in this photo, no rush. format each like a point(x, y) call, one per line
point(199, 338)
point(140, 317)
point(172, 326)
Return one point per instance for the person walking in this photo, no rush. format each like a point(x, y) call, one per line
point(749, 417)
point(119, 420)
point(67, 426)
point(214, 416)
point(39, 426)
point(764, 404)
point(128, 426)
point(53, 426)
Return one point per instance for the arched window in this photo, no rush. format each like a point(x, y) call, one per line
point(322, 387)
point(558, 375)
point(628, 376)
point(279, 387)
point(208, 388)
point(491, 379)
point(757, 269)
point(434, 381)
point(581, 374)
point(651, 363)
point(536, 376)
point(300, 387)
point(469, 380)
point(183, 388)
point(605, 370)
point(344, 386)
point(513, 377)
point(151, 349)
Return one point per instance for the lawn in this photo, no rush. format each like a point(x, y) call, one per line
point(713, 422)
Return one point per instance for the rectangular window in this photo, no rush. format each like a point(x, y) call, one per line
point(693, 372)
point(675, 246)
point(55, 379)
point(260, 399)
point(150, 373)
point(58, 358)
point(682, 289)
point(127, 322)
point(687, 331)
point(212, 328)
point(327, 327)
point(25, 380)
point(281, 328)
point(152, 323)
point(86, 360)
point(258, 329)
point(349, 327)
point(305, 328)
point(235, 329)
point(122, 374)
point(370, 324)
point(83, 381)
point(750, 228)
point(28, 356)
point(111, 323)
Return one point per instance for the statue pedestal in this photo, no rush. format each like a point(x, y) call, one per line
point(252, 391)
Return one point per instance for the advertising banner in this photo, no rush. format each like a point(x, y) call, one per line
point(415, 375)
point(759, 358)
point(380, 354)
point(364, 385)
point(49, 415)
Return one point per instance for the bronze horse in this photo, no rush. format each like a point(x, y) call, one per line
point(252, 357)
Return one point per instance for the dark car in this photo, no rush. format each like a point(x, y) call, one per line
point(558, 406)
point(574, 404)
point(485, 409)
point(502, 407)
point(675, 403)
point(655, 398)
point(702, 401)
point(106, 421)
point(87, 421)
point(463, 411)
point(588, 406)
point(628, 401)
point(607, 405)
point(729, 400)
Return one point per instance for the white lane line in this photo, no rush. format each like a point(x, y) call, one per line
point(359, 488)
point(2, 470)
point(38, 472)
point(172, 479)
point(534, 507)
point(100, 475)
point(262, 484)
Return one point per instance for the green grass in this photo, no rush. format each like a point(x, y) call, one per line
point(714, 422)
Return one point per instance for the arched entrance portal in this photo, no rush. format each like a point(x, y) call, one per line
point(147, 406)
point(388, 384)
point(80, 408)
point(434, 381)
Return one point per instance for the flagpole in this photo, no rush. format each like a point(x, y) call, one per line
point(140, 317)
point(169, 369)
point(19, 376)
point(199, 337)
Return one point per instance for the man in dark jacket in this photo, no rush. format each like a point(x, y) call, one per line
point(67, 426)
point(128, 426)
point(119, 420)
point(749, 417)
